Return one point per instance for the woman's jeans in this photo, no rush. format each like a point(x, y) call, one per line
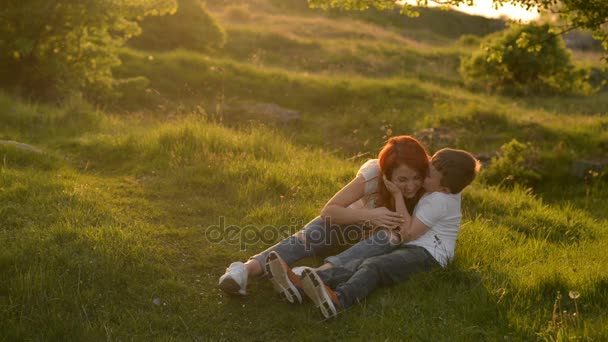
point(321, 237)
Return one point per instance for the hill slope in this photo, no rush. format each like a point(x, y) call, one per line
point(122, 227)
point(114, 233)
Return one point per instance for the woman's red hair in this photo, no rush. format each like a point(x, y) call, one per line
point(401, 150)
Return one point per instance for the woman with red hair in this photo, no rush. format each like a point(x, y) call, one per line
point(363, 204)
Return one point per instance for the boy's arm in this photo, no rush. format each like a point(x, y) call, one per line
point(402, 209)
point(413, 230)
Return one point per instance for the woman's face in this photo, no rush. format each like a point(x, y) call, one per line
point(407, 180)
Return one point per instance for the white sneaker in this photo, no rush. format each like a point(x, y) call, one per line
point(234, 281)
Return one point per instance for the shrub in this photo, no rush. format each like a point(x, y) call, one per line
point(192, 27)
point(469, 40)
point(598, 78)
point(510, 167)
point(524, 60)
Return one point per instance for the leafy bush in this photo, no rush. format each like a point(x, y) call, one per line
point(192, 27)
point(509, 168)
point(598, 78)
point(469, 40)
point(53, 48)
point(524, 60)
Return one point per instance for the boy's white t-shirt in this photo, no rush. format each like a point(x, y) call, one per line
point(370, 171)
point(440, 212)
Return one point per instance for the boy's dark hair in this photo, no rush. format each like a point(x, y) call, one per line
point(458, 168)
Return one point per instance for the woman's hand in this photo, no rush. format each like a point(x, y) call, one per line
point(383, 217)
point(392, 188)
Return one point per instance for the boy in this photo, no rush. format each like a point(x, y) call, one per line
point(429, 239)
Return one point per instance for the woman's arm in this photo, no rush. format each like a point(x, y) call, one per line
point(337, 209)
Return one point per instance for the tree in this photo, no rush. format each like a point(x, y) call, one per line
point(51, 48)
point(524, 60)
point(584, 14)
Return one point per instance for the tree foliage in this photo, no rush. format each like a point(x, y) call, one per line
point(53, 47)
point(524, 60)
point(585, 14)
point(191, 27)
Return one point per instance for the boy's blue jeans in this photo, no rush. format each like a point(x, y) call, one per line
point(378, 243)
point(321, 238)
point(382, 270)
point(362, 268)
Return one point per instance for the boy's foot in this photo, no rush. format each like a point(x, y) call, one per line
point(324, 297)
point(283, 279)
point(234, 281)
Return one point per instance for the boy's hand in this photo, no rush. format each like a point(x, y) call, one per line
point(392, 188)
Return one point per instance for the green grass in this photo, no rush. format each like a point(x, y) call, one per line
point(110, 219)
point(347, 107)
point(336, 109)
point(371, 58)
point(107, 234)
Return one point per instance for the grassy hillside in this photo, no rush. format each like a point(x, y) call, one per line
point(351, 114)
point(110, 233)
point(111, 218)
point(434, 25)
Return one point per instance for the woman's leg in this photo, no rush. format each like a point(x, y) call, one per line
point(253, 267)
point(318, 237)
point(292, 248)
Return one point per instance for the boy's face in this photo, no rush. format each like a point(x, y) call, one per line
point(432, 182)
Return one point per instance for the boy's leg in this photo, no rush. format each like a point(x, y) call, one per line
point(335, 276)
point(319, 293)
point(384, 270)
point(283, 279)
point(381, 242)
